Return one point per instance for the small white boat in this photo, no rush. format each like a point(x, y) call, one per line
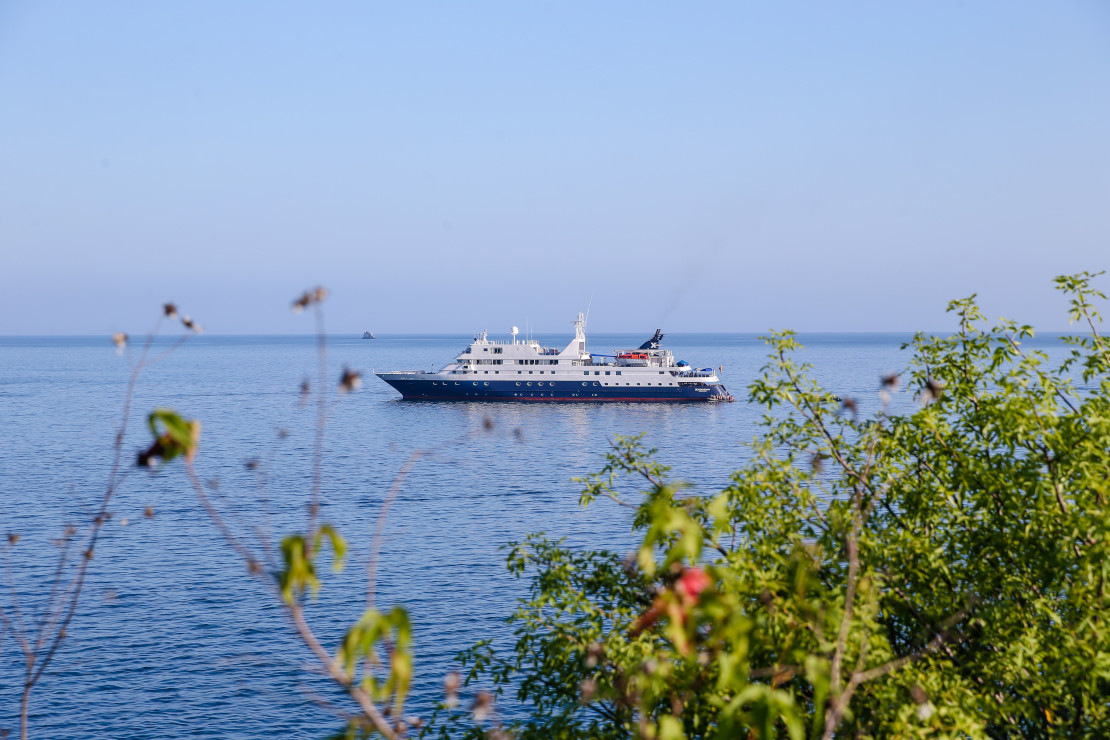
point(368, 335)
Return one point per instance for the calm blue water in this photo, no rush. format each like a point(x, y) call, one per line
point(173, 639)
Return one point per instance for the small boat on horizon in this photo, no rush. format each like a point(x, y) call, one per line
point(368, 335)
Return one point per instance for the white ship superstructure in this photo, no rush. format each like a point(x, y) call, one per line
point(524, 370)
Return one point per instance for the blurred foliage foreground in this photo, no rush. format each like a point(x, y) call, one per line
point(935, 573)
point(939, 573)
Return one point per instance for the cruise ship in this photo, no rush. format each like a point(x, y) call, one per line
point(523, 370)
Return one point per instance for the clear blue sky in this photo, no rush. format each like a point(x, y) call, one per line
point(452, 166)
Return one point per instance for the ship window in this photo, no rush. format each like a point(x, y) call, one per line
point(585, 372)
point(475, 382)
point(485, 349)
point(618, 372)
point(606, 372)
point(485, 382)
point(597, 372)
point(583, 384)
point(518, 383)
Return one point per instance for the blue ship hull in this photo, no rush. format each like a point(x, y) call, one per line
point(431, 387)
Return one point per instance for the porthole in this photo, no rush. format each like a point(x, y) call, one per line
point(486, 383)
point(518, 382)
point(529, 384)
point(475, 382)
point(583, 384)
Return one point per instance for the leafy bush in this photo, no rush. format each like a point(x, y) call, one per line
point(941, 572)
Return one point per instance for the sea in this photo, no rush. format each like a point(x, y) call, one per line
point(174, 638)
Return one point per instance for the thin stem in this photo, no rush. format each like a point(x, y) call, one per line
point(379, 528)
point(321, 423)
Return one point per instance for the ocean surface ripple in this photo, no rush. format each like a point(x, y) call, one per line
point(174, 639)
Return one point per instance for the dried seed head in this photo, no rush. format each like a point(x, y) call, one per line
point(351, 381)
point(170, 310)
point(13, 538)
point(253, 463)
point(483, 706)
point(918, 694)
point(487, 423)
point(124, 522)
point(629, 566)
point(148, 512)
point(451, 683)
point(519, 434)
point(317, 295)
point(594, 652)
point(931, 392)
point(306, 389)
point(817, 461)
point(891, 382)
point(587, 690)
point(193, 326)
point(120, 340)
point(851, 405)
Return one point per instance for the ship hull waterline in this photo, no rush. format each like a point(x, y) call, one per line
point(553, 391)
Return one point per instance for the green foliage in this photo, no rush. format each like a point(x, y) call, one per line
point(361, 648)
point(300, 561)
point(173, 437)
point(935, 573)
